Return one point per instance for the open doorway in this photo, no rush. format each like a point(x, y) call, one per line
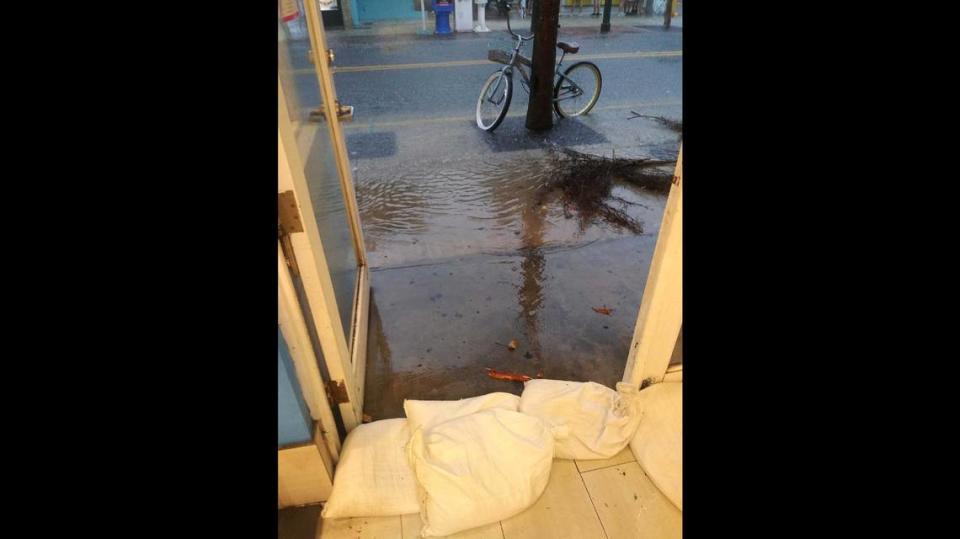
point(486, 250)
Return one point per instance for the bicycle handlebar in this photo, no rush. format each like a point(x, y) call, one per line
point(508, 6)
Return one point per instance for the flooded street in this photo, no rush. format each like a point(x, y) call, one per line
point(498, 207)
point(477, 239)
point(477, 254)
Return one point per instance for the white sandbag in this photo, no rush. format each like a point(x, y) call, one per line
point(374, 477)
point(658, 443)
point(479, 469)
point(590, 421)
point(427, 414)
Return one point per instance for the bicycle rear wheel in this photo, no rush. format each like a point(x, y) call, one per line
point(578, 90)
point(494, 100)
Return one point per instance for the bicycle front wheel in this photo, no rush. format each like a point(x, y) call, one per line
point(494, 100)
point(578, 90)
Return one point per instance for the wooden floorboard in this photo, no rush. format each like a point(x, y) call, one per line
point(608, 501)
point(630, 506)
point(623, 457)
point(362, 527)
point(564, 510)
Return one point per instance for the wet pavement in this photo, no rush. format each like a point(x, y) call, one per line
point(425, 88)
point(425, 213)
point(471, 243)
point(435, 328)
point(467, 259)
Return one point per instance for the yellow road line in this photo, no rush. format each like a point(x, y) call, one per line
point(452, 119)
point(461, 63)
point(619, 55)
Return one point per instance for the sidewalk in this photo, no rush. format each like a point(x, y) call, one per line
point(581, 20)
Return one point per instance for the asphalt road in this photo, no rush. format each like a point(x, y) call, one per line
point(424, 171)
point(407, 79)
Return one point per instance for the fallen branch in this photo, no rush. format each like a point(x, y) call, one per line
point(672, 125)
point(622, 161)
point(584, 183)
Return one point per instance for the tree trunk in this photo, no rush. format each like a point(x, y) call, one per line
point(540, 107)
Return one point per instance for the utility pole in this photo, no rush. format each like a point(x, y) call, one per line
point(605, 25)
point(544, 59)
point(667, 14)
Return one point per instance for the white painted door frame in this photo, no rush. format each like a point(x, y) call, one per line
point(345, 365)
point(344, 354)
point(661, 309)
point(293, 326)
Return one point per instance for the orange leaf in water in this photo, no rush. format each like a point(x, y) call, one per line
point(513, 345)
point(507, 376)
point(603, 310)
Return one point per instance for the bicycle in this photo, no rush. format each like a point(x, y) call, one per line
point(570, 87)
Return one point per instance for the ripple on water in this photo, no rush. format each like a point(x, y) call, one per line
point(413, 212)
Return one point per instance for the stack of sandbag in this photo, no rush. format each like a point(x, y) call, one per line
point(658, 442)
point(477, 461)
point(373, 477)
point(469, 463)
point(590, 421)
point(479, 469)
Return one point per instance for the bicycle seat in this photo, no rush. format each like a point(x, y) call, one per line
point(569, 48)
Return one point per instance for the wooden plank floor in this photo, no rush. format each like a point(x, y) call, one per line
point(597, 499)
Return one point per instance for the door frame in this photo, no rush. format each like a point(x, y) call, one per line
point(345, 364)
point(661, 308)
point(343, 353)
point(293, 326)
point(304, 471)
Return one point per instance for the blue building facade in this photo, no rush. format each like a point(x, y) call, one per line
point(385, 10)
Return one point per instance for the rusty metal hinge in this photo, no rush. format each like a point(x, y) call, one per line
point(344, 113)
point(337, 392)
point(289, 213)
point(288, 217)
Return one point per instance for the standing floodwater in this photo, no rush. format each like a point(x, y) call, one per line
point(412, 216)
point(475, 239)
point(533, 247)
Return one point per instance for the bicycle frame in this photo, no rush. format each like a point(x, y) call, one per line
point(574, 90)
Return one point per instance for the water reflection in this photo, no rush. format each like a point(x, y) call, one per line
point(416, 213)
point(530, 292)
point(532, 275)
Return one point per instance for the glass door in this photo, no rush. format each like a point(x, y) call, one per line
point(322, 234)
